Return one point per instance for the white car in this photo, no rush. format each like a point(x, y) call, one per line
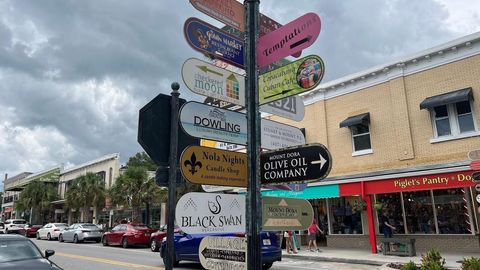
point(14, 225)
point(50, 231)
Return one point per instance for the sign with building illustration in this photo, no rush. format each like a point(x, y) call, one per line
point(198, 213)
point(295, 78)
point(290, 107)
point(306, 163)
point(213, 42)
point(208, 80)
point(217, 252)
point(210, 166)
point(288, 39)
point(283, 214)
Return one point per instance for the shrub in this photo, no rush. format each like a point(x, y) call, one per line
point(409, 266)
point(432, 260)
point(471, 263)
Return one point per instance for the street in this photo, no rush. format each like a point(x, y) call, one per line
point(86, 256)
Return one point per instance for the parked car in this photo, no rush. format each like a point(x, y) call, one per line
point(80, 232)
point(14, 225)
point(128, 234)
point(2, 227)
point(18, 252)
point(187, 245)
point(50, 231)
point(157, 237)
point(30, 230)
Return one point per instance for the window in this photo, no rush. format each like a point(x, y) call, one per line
point(453, 119)
point(361, 137)
point(452, 211)
point(346, 219)
point(391, 205)
point(419, 212)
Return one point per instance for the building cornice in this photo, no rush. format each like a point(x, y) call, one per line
point(90, 163)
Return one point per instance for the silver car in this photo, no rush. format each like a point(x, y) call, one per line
point(79, 232)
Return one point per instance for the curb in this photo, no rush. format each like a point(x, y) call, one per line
point(333, 259)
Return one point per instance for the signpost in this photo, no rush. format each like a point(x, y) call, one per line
point(295, 78)
point(198, 213)
point(306, 163)
point(288, 39)
point(223, 252)
point(208, 80)
point(209, 40)
point(290, 107)
point(210, 166)
point(284, 214)
point(162, 177)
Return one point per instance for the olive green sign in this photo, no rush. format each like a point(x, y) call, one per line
point(210, 166)
point(292, 79)
point(284, 214)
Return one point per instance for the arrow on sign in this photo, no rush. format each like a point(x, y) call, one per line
point(229, 255)
point(300, 42)
point(206, 70)
point(278, 94)
point(321, 161)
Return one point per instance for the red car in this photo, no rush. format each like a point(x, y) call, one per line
point(157, 237)
point(30, 230)
point(128, 234)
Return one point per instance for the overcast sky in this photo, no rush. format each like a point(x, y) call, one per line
point(73, 74)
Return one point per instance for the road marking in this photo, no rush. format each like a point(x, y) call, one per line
point(100, 260)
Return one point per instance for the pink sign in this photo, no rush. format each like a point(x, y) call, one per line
point(288, 39)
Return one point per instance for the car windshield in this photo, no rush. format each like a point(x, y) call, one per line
point(18, 250)
point(19, 222)
point(90, 226)
point(140, 227)
point(61, 225)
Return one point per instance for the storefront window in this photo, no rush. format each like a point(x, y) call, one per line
point(346, 219)
point(392, 205)
point(452, 213)
point(419, 212)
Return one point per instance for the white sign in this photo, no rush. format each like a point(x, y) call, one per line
point(212, 123)
point(223, 253)
point(208, 80)
point(210, 188)
point(289, 107)
point(478, 198)
point(198, 213)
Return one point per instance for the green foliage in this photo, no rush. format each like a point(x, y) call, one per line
point(409, 266)
point(37, 196)
point(471, 263)
point(142, 160)
point(432, 260)
point(86, 191)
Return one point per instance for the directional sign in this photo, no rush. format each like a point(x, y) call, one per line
point(223, 252)
point(210, 188)
point(161, 177)
point(476, 176)
point(474, 154)
point(208, 80)
point(288, 39)
point(214, 42)
point(284, 214)
point(212, 123)
point(475, 165)
point(295, 164)
point(289, 107)
point(295, 78)
point(210, 213)
point(478, 198)
point(210, 166)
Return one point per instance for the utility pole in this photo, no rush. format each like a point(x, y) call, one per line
point(254, 204)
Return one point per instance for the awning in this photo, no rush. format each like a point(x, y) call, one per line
point(8, 210)
point(447, 98)
point(316, 192)
point(363, 118)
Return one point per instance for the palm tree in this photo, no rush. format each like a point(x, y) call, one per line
point(87, 191)
point(36, 198)
point(73, 200)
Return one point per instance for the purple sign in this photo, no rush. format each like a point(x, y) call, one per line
point(214, 42)
point(288, 39)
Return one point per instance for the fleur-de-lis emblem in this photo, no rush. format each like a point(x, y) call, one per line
point(193, 163)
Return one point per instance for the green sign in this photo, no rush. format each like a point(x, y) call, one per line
point(285, 214)
point(295, 78)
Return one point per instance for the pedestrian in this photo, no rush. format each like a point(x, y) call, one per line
point(289, 246)
point(313, 229)
point(385, 226)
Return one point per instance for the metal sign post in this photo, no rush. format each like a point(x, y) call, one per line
point(172, 184)
point(254, 204)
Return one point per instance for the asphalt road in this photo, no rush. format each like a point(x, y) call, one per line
point(87, 256)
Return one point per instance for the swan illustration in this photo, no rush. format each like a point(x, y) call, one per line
point(215, 208)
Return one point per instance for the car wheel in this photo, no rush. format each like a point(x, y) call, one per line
point(125, 242)
point(104, 241)
point(60, 238)
point(153, 245)
point(165, 262)
point(75, 239)
point(49, 237)
point(38, 236)
point(266, 266)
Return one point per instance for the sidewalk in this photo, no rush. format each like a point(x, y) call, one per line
point(360, 256)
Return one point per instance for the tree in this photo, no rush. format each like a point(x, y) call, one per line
point(87, 191)
point(142, 160)
point(37, 197)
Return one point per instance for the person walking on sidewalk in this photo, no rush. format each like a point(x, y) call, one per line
point(289, 245)
point(313, 229)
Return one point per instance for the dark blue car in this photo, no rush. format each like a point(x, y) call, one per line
point(186, 247)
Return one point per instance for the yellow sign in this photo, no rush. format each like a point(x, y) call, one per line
point(210, 166)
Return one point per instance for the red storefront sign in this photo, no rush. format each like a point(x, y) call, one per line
point(405, 184)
